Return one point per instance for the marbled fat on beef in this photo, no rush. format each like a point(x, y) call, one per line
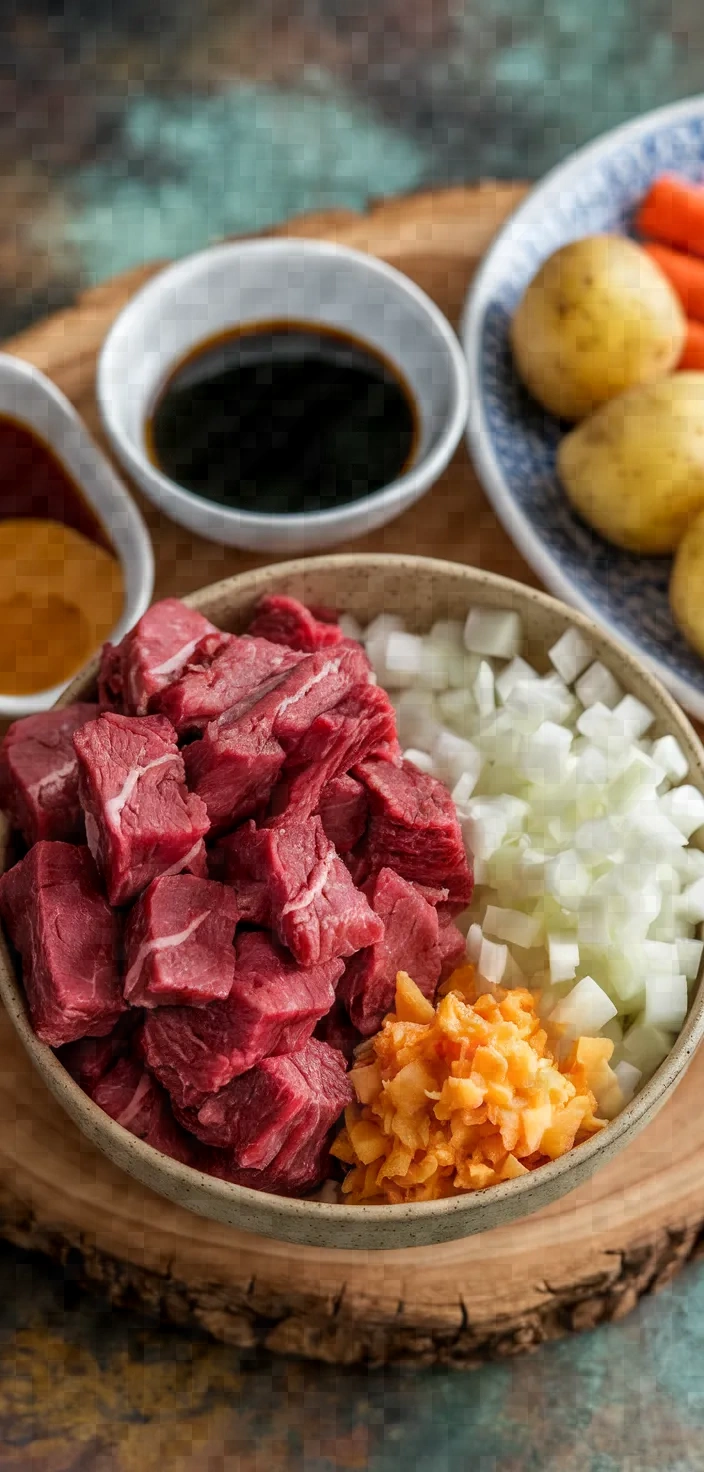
point(140, 819)
point(410, 942)
point(39, 774)
point(222, 671)
point(284, 1150)
point(413, 829)
point(65, 932)
point(179, 943)
point(131, 1097)
point(361, 724)
point(313, 905)
point(272, 1009)
point(286, 621)
point(235, 764)
point(150, 656)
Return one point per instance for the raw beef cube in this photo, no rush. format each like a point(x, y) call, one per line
point(222, 671)
point(313, 904)
point(253, 1115)
point(286, 621)
point(39, 774)
point(234, 766)
point(321, 1091)
point(252, 895)
point(135, 1100)
point(151, 655)
point(410, 942)
point(317, 684)
point(343, 811)
point(179, 943)
point(272, 1008)
point(414, 829)
point(355, 728)
point(453, 946)
point(339, 1031)
point(65, 932)
point(90, 1059)
point(140, 819)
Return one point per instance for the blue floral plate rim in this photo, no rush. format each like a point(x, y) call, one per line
point(522, 233)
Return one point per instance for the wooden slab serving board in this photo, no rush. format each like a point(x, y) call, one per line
point(586, 1259)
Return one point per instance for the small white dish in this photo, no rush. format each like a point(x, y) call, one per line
point(30, 398)
point(254, 281)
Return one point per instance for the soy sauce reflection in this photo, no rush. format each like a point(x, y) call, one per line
point(283, 417)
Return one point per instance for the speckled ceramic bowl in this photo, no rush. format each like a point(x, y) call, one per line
point(421, 590)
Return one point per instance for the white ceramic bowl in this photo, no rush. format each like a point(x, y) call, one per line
point(30, 398)
point(270, 280)
point(421, 590)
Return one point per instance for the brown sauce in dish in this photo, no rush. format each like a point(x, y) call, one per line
point(283, 417)
point(61, 585)
point(34, 483)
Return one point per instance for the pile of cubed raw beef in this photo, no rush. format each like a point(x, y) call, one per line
point(226, 863)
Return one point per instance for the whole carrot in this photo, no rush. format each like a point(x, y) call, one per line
point(673, 213)
point(693, 352)
point(685, 274)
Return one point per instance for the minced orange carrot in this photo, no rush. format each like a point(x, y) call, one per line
point(685, 273)
point(464, 1095)
point(693, 350)
point(673, 213)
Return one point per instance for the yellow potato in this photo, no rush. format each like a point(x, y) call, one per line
point(599, 318)
point(635, 469)
point(687, 584)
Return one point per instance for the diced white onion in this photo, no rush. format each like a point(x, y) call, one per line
point(545, 753)
point(494, 632)
point(567, 808)
point(628, 1079)
point(690, 904)
point(645, 1047)
point(420, 759)
point(567, 878)
point(350, 627)
point(584, 1010)
point(517, 672)
point(597, 686)
point(689, 956)
point(463, 789)
point(512, 926)
point(563, 955)
point(474, 943)
point(684, 806)
point(383, 625)
point(668, 754)
point(636, 716)
point(492, 961)
point(483, 690)
point(453, 757)
point(571, 655)
point(402, 657)
point(666, 1001)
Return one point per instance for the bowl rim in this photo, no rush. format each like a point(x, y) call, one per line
point(286, 1210)
point(420, 474)
point(478, 433)
point(141, 552)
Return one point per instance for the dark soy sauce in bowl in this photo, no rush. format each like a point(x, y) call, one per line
point(283, 417)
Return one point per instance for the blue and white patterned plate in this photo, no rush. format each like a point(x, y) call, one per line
point(513, 441)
